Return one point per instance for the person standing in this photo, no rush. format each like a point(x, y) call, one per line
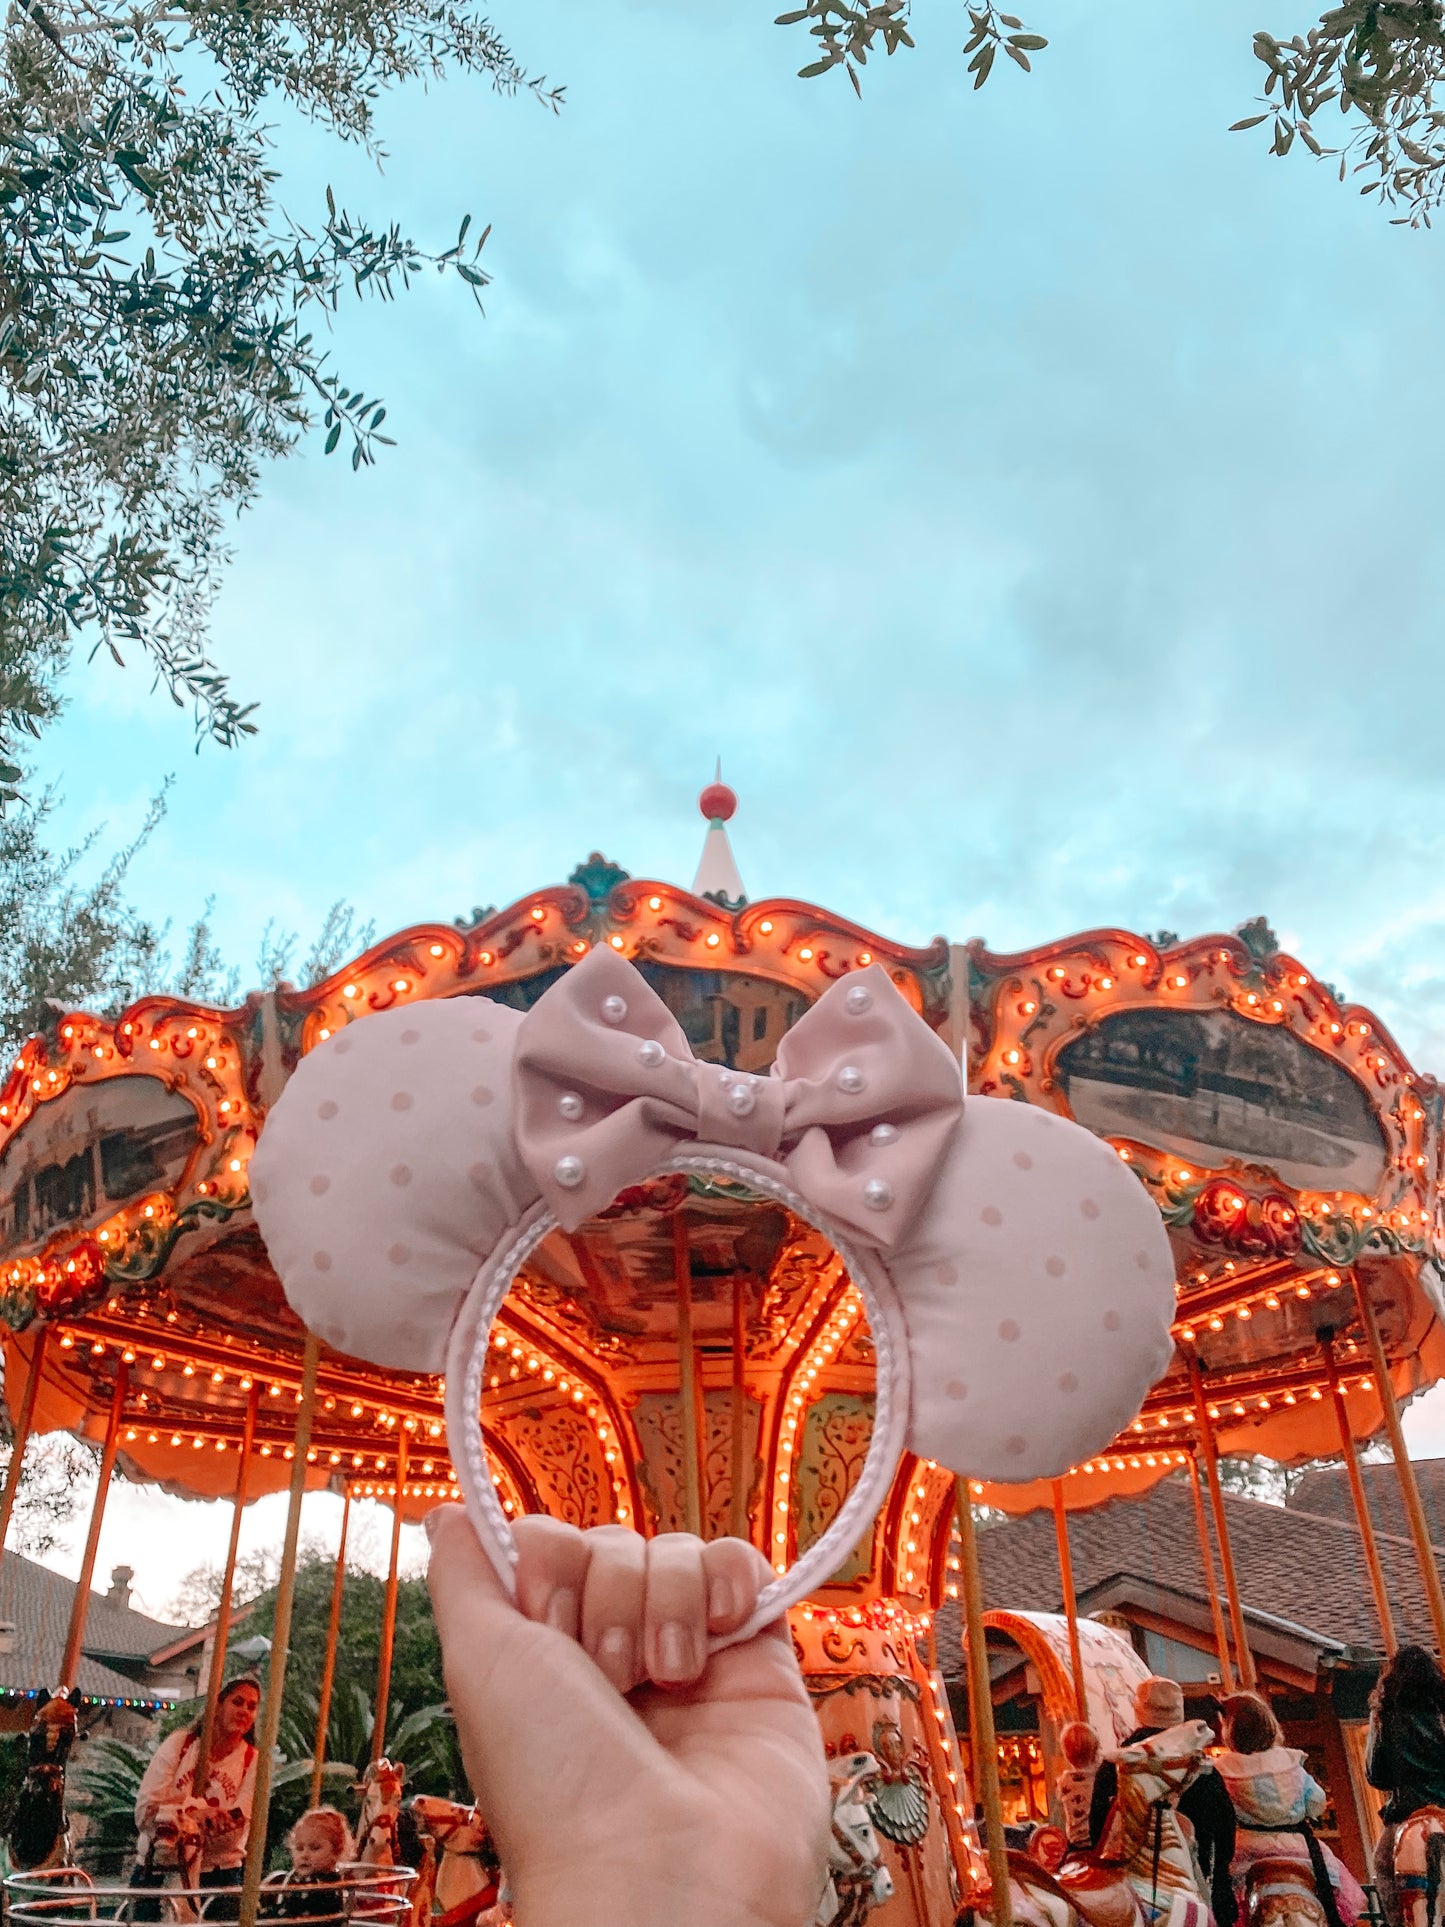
point(1158, 1705)
point(168, 1787)
point(1405, 1754)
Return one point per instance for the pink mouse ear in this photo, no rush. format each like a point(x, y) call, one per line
point(1038, 1292)
point(386, 1173)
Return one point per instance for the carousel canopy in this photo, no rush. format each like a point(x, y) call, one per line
point(1293, 1153)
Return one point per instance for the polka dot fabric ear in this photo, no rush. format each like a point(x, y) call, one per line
point(386, 1174)
point(1038, 1289)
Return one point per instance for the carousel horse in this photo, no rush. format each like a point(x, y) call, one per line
point(1420, 1868)
point(858, 1881)
point(1142, 1873)
point(458, 1877)
point(1281, 1893)
point(40, 1827)
point(1144, 1834)
point(380, 1788)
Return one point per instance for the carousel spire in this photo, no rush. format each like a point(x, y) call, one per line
point(717, 873)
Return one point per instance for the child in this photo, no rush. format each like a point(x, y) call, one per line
point(1076, 1783)
point(314, 1890)
point(1275, 1801)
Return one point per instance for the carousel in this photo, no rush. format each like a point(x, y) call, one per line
point(697, 1355)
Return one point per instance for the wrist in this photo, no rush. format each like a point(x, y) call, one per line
point(619, 1902)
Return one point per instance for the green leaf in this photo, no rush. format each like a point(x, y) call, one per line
point(1238, 127)
point(332, 439)
point(1030, 42)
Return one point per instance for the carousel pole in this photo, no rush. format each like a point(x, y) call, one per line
point(1221, 1527)
point(687, 1383)
point(23, 1422)
point(738, 1509)
point(70, 1664)
point(270, 1724)
point(1409, 1490)
point(1206, 1554)
point(382, 1704)
point(1071, 1604)
point(1357, 1493)
point(980, 1701)
point(223, 1607)
point(328, 1660)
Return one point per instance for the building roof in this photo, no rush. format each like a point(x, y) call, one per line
point(37, 1603)
point(1326, 1492)
point(1298, 1570)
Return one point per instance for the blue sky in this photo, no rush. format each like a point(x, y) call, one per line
point(1032, 495)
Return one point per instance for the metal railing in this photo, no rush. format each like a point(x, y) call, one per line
point(70, 1897)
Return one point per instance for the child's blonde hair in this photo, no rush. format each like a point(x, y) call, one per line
point(332, 1823)
point(1080, 1744)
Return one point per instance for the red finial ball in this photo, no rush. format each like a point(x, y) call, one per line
point(717, 802)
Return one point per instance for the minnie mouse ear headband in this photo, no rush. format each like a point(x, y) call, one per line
point(1017, 1278)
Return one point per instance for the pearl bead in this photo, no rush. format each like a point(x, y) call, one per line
point(858, 999)
point(650, 1053)
point(614, 1009)
point(742, 1099)
point(570, 1105)
point(883, 1134)
point(850, 1080)
point(569, 1172)
point(878, 1194)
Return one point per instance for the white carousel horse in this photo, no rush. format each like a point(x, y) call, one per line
point(380, 1789)
point(1144, 1834)
point(457, 1885)
point(1420, 1868)
point(1142, 1873)
point(858, 1881)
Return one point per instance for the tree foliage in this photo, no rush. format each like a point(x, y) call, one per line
point(159, 311)
point(1378, 62)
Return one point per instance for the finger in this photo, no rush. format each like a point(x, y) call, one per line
point(735, 1573)
point(613, 1598)
point(674, 1642)
point(551, 1570)
point(503, 1672)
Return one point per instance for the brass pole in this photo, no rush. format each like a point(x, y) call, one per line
point(24, 1420)
point(1409, 1490)
point(223, 1607)
point(80, 1606)
point(738, 1511)
point(1206, 1554)
point(1357, 1493)
point(388, 1612)
point(985, 1740)
point(1071, 1604)
point(687, 1382)
point(328, 1658)
point(1221, 1527)
point(270, 1723)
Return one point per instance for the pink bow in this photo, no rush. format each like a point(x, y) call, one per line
point(859, 1107)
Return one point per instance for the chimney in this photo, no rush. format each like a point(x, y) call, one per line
point(120, 1582)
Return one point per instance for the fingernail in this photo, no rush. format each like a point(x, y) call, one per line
point(722, 1600)
point(676, 1651)
point(614, 1656)
point(562, 1611)
point(429, 1523)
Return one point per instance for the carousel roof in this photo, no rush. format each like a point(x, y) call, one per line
point(1291, 1148)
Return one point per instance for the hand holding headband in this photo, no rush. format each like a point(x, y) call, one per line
point(1016, 1276)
